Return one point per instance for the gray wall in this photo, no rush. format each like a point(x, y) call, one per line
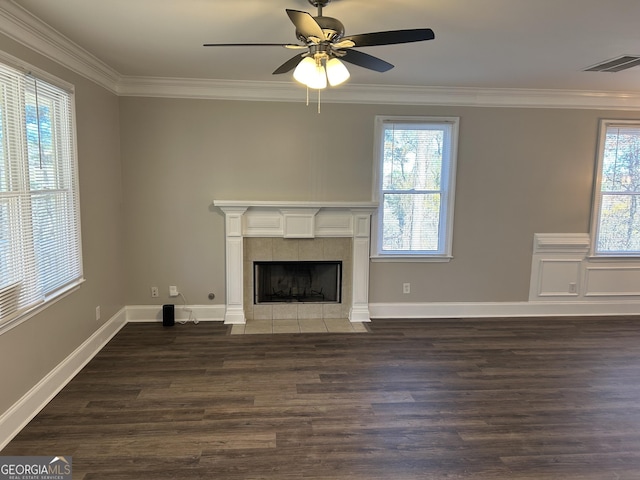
point(32, 349)
point(520, 172)
point(180, 155)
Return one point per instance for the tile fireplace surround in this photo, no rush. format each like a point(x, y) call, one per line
point(257, 230)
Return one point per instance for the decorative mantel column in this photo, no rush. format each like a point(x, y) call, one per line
point(296, 220)
point(233, 230)
point(359, 311)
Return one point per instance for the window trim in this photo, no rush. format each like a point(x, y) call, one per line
point(596, 203)
point(70, 287)
point(445, 255)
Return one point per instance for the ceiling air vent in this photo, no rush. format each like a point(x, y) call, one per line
point(616, 64)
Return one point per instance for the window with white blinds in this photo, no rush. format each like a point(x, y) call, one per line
point(40, 247)
point(416, 160)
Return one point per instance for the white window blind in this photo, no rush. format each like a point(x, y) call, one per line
point(40, 246)
point(416, 185)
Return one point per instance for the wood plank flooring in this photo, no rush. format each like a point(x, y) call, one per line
point(555, 398)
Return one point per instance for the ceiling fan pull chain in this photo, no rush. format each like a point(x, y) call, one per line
point(307, 96)
point(319, 100)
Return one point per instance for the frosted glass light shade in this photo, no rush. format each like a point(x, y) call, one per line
point(310, 74)
point(337, 72)
point(304, 70)
point(319, 79)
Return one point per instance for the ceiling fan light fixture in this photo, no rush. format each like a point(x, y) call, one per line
point(325, 41)
point(309, 73)
point(337, 72)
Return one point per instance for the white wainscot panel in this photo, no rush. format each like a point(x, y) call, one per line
point(557, 266)
point(612, 280)
point(559, 277)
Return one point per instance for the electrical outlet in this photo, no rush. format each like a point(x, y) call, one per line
point(173, 291)
point(154, 292)
point(573, 287)
point(406, 288)
point(98, 312)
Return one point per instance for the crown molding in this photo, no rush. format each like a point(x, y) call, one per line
point(377, 94)
point(21, 26)
point(169, 87)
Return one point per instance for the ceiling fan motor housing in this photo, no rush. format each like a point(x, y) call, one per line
point(319, 3)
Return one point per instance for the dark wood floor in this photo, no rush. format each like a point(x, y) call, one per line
point(483, 399)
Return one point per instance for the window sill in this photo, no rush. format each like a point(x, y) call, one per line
point(50, 300)
point(614, 258)
point(411, 259)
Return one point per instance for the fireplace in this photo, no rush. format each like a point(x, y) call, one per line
point(297, 281)
point(282, 231)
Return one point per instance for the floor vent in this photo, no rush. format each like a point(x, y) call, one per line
point(616, 64)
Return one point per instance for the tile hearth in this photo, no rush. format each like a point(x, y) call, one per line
point(308, 325)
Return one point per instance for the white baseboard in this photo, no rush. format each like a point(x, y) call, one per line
point(216, 313)
point(503, 309)
point(153, 313)
point(21, 413)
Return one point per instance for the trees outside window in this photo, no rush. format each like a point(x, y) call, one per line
point(415, 162)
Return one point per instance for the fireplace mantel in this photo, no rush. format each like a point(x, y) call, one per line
point(291, 220)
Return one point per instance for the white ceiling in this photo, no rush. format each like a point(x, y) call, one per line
point(525, 44)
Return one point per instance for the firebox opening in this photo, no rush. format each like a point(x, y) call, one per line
point(297, 281)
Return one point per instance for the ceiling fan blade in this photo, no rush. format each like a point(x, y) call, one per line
point(288, 65)
point(365, 60)
point(285, 45)
point(391, 37)
point(305, 24)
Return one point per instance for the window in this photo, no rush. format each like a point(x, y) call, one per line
point(40, 250)
point(616, 219)
point(416, 163)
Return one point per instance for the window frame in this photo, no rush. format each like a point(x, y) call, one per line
point(596, 208)
point(70, 176)
point(447, 189)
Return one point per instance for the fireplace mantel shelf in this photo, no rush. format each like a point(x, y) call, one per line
point(291, 205)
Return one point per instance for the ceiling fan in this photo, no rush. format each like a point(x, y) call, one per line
point(325, 47)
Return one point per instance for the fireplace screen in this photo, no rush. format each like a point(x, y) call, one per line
point(303, 281)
